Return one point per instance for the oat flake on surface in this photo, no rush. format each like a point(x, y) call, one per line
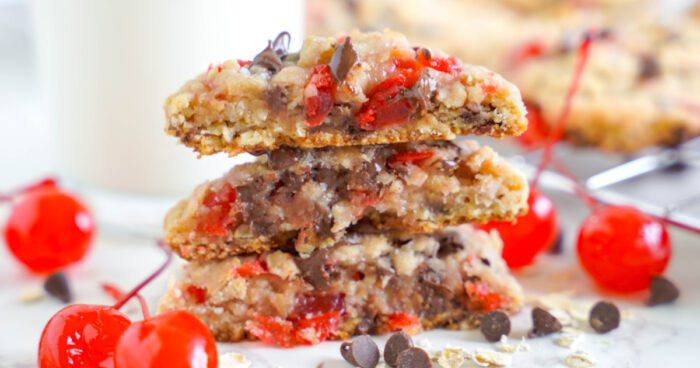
point(580, 359)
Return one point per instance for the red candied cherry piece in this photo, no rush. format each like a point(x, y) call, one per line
point(622, 248)
point(174, 339)
point(448, 65)
point(250, 268)
point(319, 95)
point(530, 234)
point(243, 63)
point(197, 293)
point(273, 331)
point(402, 320)
point(216, 217)
point(410, 157)
point(481, 297)
point(323, 325)
point(81, 335)
point(48, 229)
point(383, 110)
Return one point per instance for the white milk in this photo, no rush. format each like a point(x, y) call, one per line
point(108, 65)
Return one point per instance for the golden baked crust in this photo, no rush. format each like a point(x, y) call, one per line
point(309, 198)
point(240, 107)
point(361, 284)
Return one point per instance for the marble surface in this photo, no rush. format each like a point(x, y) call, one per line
point(651, 337)
point(664, 336)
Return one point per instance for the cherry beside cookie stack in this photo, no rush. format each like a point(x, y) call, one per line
point(354, 216)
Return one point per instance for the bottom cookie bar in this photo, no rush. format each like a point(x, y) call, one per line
point(365, 283)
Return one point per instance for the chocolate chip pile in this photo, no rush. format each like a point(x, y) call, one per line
point(399, 352)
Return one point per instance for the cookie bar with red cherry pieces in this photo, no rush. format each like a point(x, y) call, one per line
point(308, 198)
point(366, 88)
point(364, 283)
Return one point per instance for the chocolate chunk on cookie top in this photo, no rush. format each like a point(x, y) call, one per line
point(365, 88)
point(604, 317)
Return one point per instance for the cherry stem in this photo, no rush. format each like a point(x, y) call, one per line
point(148, 280)
point(558, 129)
point(578, 188)
point(118, 294)
point(10, 196)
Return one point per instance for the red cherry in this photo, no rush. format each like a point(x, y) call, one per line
point(319, 95)
point(174, 339)
point(81, 335)
point(537, 131)
point(48, 229)
point(530, 234)
point(622, 248)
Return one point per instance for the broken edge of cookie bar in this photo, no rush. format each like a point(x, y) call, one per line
point(364, 88)
point(363, 284)
point(307, 199)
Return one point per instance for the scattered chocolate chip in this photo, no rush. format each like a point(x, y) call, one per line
point(663, 291)
point(543, 323)
point(57, 286)
point(558, 246)
point(413, 358)
point(423, 90)
point(344, 57)
point(361, 352)
point(494, 325)
point(397, 343)
point(604, 317)
point(649, 67)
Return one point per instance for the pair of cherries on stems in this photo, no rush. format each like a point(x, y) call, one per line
point(49, 229)
point(83, 335)
point(619, 246)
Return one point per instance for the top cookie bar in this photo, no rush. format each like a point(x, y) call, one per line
point(364, 88)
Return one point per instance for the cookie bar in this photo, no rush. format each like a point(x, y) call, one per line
point(310, 197)
point(640, 88)
point(363, 88)
point(364, 283)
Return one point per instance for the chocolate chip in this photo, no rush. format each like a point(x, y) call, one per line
point(361, 352)
point(344, 57)
point(663, 291)
point(649, 67)
point(604, 317)
point(494, 325)
point(271, 57)
point(314, 270)
point(57, 286)
point(413, 358)
point(543, 323)
point(396, 344)
point(558, 246)
point(275, 99)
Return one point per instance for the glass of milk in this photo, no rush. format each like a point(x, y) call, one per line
point(106, 67)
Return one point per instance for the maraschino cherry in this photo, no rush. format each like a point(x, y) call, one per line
point(623, 248)
point(537, 230)
point(48, 228)
point(530, 234)
point(100, 336)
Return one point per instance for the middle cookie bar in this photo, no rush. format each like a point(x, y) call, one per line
point(309, 198)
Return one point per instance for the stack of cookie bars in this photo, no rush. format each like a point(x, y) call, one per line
point(353, 217)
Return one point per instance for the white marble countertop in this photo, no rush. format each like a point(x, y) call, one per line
point(653, 337)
